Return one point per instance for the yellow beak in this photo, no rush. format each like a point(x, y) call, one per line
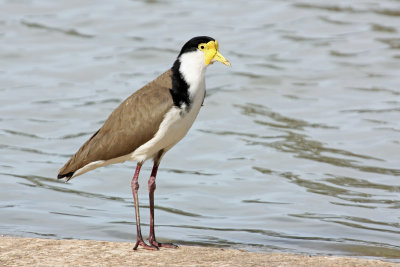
point(211, 52)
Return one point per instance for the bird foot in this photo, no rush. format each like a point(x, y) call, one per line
point(163, 245)
point(144, 245)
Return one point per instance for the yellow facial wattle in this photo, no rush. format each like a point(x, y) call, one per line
point(211, 52)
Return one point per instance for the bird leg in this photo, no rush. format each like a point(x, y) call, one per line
point(135, 188)
point(152, 188)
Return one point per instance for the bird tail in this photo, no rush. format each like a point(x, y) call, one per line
point(67, 176)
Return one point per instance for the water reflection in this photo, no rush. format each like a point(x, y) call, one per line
point(71, 32)
point(302, 146)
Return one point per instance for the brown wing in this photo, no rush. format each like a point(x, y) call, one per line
point(133, 123)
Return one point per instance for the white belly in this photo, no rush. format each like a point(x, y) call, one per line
point(173, 128)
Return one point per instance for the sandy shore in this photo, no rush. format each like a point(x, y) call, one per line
point(49, 252)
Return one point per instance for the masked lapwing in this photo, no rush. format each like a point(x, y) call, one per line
point(149, 122)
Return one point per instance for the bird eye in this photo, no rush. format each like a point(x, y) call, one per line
point(201, 47)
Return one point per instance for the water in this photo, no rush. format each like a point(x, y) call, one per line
point(295, 150)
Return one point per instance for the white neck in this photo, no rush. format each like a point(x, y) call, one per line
point(193, 70)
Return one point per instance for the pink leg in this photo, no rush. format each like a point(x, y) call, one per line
point(135, 188)
point(152, 188)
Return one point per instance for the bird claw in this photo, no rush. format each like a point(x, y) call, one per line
point(163, 245)
point(144, 245)
point(152, 240)
point(154, 245)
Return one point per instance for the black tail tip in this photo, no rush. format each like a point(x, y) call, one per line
point(67, 175)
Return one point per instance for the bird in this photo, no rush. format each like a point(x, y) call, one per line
point(149, 123)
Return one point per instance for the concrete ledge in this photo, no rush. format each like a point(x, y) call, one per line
point(49, 252)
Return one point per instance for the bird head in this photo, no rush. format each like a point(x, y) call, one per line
point(207, 47)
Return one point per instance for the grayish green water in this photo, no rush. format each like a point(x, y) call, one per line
point(296, 148)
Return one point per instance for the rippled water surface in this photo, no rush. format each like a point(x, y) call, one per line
point(295, 150)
